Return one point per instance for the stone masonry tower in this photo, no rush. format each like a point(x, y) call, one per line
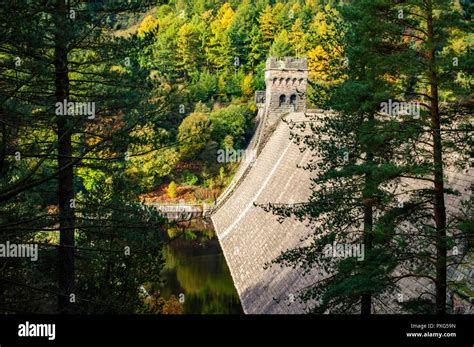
point(285, 81)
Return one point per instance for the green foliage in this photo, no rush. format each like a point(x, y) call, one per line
point(69, 189)
point(188, 44)
point(211, 51)
point(193, 134)
point(219, 50)
point(222, 173)
point(228, 142)
point(189, 179)
point(201, 107)
point(91, 178)
point(281, 46)
point(150, 161)
point(230, 122)
point(267, 25)
point(203, 86)
point(149, 170)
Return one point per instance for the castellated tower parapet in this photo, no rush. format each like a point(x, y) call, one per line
point(287, 63)
point(285, 88)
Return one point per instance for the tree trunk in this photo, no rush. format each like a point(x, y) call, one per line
point(439, 205)
point(366, 298)
point(3, 145)
point(65, 177)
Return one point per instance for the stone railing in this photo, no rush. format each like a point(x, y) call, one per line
point(179, 211)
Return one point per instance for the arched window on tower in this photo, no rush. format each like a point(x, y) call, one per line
point(282, 100)
point(293, 101)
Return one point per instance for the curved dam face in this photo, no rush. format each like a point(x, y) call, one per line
point(251, 238)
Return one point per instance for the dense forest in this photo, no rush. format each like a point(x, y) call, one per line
point(107, 105)
point(211, 57)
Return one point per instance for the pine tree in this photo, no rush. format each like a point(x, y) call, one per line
point(70, 56)
point(366, 153)
point(239, 32)
point(258, 50)
point(219, 49)
point(297, 38)
point(281, 46)
point(420, 44)
point(352, 202)
point(188, 48)
point(267, 26)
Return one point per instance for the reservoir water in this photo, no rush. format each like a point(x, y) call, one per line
point(196, 272)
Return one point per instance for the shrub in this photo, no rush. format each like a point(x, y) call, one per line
point(222, 173)
point(193, 134)
point(231, 121)
point(171, 191)
point(189, 179)
point(201, 107)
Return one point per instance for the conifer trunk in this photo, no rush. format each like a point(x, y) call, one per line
point(65, 177)
point(439, 204)
point(366, 298)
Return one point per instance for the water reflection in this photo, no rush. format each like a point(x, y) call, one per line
point(196, 273)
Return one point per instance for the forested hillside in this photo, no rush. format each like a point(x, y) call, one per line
point(210, 56)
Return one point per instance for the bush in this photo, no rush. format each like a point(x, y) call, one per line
point(193, 134)
point(222, 173)
point(171, 191)
point(201, 107)
point(228, 142)
point(189, 179)
point(209, 183)
point(151, 167)
point(231, 121)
